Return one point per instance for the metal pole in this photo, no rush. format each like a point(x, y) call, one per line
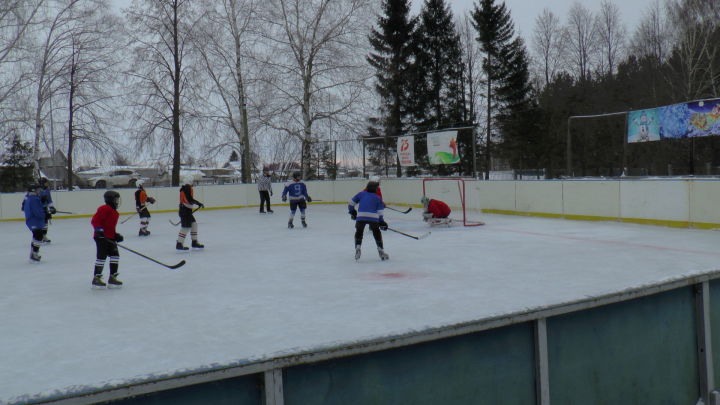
point(568, 151)
point(474, 152)
point(363, 148)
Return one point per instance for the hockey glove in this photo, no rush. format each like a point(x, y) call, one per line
point(353, 214)
point(119, 238)
point(383, 226)
point(284, 198)
point(201, 205)
point(151, 200)
point(309, 199)
point(52, 210)
point(99, 234)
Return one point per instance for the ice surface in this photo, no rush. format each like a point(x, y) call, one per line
point(259, 289)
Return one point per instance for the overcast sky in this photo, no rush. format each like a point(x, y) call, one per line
point(523, 12)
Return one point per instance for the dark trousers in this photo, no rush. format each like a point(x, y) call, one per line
point(374, 227)
point(105, 249)
point(264, 198)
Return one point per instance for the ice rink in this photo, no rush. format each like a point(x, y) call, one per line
point(260, 290)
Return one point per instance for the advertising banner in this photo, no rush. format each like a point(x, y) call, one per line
point(406, 150)
point(443, 148)
point(694, 119)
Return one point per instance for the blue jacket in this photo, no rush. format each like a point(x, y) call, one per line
point(46, 198)
point(296, 191)
point(370, 206)
point(34, 212)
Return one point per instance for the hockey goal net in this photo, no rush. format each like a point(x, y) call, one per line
point(461, 195)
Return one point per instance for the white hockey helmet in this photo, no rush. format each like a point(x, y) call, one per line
point(376, 179)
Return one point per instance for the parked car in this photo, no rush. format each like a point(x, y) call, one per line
point(115, 178)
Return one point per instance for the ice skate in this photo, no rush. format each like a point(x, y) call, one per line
point(180, 246)
point(383, 256)
point(290, 224)
point(45, 240)
point(97, 281)
point(197, 245)
point(262, 212)
point(113, 282)
point(304, 224)
point(357, 252)
point(143, 232)
point(270, 211)
point(34, 256)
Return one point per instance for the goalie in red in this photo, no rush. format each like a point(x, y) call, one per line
point(436, 212)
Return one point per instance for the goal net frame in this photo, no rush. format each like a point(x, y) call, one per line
point(461, 189)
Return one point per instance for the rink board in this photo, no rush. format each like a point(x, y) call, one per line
point(640, 342)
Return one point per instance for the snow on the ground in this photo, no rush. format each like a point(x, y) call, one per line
point(260, 290)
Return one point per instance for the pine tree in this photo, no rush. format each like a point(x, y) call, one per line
point(392, 58)
point(17, 165)
point(506, 71)
point(438, 77)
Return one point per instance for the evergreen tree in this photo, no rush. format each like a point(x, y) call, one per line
point(392, 58)
point(495, 35)
point(17, 165)
point(438, 77)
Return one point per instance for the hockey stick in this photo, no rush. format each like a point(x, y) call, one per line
point(423, 236)
point(173, 267)
point(178, 222)
point(404, 212)
point(64, 212)
point(128, 218)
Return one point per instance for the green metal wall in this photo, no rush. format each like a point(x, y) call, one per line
point(492, 367)
point(715, 328)
point(245, 390)
point(640, 352)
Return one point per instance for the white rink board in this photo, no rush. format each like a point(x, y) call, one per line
point(594, 198)
point(658, 200)
point(539, 196)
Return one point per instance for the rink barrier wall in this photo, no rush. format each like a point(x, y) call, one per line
point(650, 344)
point(665, 202)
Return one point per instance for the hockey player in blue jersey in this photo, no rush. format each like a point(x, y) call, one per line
point(298, 195)
point(34, 219)
point(369, 212)
point(48, 206)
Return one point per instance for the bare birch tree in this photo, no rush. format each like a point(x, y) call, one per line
point(226, 44)
point(161, 34)
point(697, 32)
point(88, 81)
point(652, 35)
point(582, 40)
point(611, 34)
point(16, 19)
point(316, 62)
point(60, 21)
point(549, 43)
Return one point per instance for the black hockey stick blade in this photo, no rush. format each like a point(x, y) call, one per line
point(404, 212)
point(178, 222)
point(128, 218)
point(423, 236)
point(169, 266)
point(64, 212)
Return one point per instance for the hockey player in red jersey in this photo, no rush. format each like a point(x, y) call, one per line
point(436, 212)
point(106, 239)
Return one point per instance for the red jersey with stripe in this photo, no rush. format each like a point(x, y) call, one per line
point(105, 218)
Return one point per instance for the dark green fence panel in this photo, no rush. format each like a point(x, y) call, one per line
point(640, 352)
point(492, 367)
point(246, 390)
point(715, 328)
